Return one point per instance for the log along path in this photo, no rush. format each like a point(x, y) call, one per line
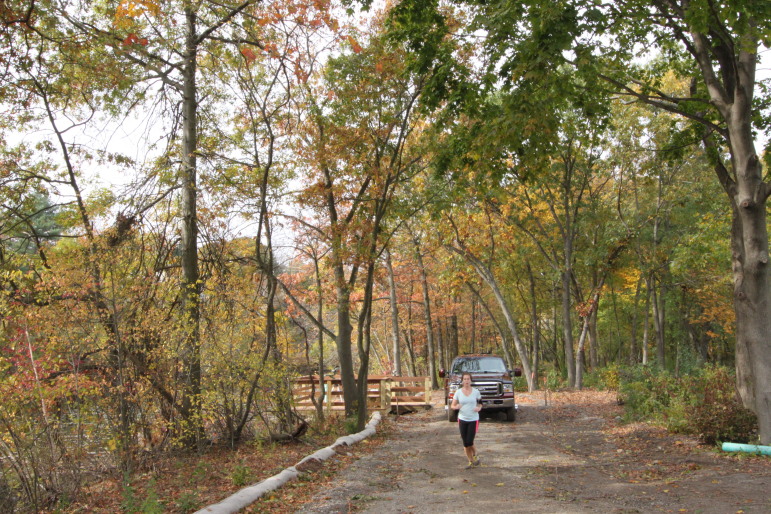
point(570, 456)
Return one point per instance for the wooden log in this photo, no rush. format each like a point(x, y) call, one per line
point(251, 494)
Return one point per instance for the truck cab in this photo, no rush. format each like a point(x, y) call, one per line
point(488, 374)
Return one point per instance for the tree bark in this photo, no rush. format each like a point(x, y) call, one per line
point(657, 304)
point(534, 325)
point(397, 356)
point(567, 329)
point(501, 333)
point(427, 309)
point(408, 337)
point(489, 279)
point(440, 344)
point(453, 336)
point(191, 351)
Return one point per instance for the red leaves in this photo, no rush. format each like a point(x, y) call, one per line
point(354, 44)
point(249, 55)
point(133, 39)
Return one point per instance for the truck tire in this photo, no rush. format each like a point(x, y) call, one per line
point(511, 413)
point(452, 415)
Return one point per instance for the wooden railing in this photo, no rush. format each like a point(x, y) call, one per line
point(383, 392)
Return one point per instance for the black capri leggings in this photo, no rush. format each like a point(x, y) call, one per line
point(468, 429)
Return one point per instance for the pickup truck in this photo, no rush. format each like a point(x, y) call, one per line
point(488, 374)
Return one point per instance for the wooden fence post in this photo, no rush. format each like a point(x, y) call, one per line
point(328, 396)
point(385, 393)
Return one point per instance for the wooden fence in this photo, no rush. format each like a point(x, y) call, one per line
point(383, 392)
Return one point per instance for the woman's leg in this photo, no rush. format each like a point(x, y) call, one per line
point(473, 432)
point(468, 431)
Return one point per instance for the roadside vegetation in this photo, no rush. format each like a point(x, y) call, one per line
point(698, 400)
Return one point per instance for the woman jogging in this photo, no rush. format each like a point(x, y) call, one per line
point(467, 401)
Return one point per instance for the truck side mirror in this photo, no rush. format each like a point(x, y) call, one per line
point(442, 373)
point(516, 372)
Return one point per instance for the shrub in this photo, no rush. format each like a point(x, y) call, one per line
point(646, 392)
point(704, 404)
point(604, 379)
point(187, 502)
point(241, 475)
point(717, 414)
point(132, 504)
point(351, 425)
point(554, 380)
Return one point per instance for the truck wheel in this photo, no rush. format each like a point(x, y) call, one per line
point(511, 413)
point(452, 415)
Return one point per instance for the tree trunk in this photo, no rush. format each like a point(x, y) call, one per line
point(440, 344)
point(397, 356)
point(408, 337)
point(504, 338)
point(191, 352)
point(489, 279)
point(453, 336)
point(567, 329)
point(579, 353)
point(473, 324)
point(534, 325)
point(364, 342)
point(320, 316)
point(752, 294)
point(344, 337)
point(658, 323)
point(633, 345)
point(427, 309)
point(593, 341)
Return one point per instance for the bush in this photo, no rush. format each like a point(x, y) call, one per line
point(605, 379)
point(241, 475)
point(717, 414)
point(704, 404)
point(554, 380)
point(351, 425)
point(646, 392)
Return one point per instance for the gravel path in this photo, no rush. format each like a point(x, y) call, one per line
point(552, 459)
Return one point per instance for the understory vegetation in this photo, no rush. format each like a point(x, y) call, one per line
point(702, 402)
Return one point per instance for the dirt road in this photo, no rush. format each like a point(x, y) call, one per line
point(570, 456)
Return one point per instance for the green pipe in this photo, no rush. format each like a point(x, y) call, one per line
point(747, 448)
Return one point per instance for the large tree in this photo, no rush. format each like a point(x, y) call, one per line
point(359, 147)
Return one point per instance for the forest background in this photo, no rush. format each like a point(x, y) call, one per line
point(310, 188)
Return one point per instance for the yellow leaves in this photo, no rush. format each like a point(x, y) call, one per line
point(129, 10)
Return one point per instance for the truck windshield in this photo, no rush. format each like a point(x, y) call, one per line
point(479, 365)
